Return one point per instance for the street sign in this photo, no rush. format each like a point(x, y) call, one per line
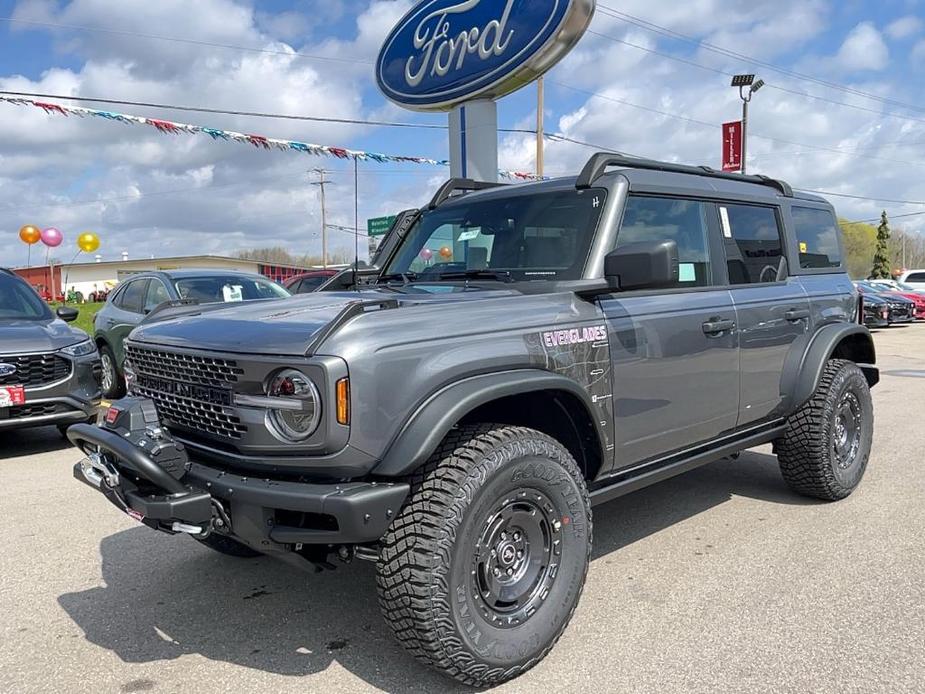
point(732, 146)
point(379, 226)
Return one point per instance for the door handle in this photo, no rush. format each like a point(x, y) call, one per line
point(796, 314)
point(715, 327)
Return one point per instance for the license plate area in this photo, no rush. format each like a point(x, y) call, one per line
point(12, 396)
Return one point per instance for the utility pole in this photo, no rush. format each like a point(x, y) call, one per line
point(540, 154)
point(743, 81)
point(321, 183)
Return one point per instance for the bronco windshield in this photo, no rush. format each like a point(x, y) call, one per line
point(19, 302)
point(542, 236)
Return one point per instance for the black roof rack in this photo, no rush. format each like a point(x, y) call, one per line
point(459, 184)
point(599, 163)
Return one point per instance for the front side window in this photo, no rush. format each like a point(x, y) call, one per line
point(753, 243)
point(543, 236)
point(817, 236)
point(682, 221)
point(918, 277)
point(18, 301)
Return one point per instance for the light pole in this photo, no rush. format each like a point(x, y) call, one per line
point(743, 81)
point(321, 183)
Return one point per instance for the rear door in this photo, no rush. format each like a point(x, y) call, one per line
point(771, 313)
point(675, 351)
point(127, 312)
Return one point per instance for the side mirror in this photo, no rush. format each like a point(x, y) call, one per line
point(644, 265)
point(67, 314)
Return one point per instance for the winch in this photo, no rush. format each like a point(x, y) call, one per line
point(136, 420)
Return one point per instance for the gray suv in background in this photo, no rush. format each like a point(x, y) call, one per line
point(516, 355)
point(49, 371)
point(135, 298)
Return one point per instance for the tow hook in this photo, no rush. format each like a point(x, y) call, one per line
point(193, 530)
point(97, 470)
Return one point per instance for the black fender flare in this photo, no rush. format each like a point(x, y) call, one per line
point(803, 368)
point(422, 433)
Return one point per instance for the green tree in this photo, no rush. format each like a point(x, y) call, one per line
point(860, 244)
point(883, 266)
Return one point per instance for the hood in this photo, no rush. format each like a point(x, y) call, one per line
point(279, 327)
point(28, 336)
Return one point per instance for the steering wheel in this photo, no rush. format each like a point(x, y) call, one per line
point(767, 269)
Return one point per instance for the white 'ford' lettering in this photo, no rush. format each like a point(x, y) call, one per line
point(439, 51)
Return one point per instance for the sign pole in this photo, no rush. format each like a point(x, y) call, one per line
point(474, 141)
point(540, 154)
point(744, 132)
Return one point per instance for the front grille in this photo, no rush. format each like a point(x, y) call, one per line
point(34, 370)
point(40, 410)
point(189, 368)
point(189, 391)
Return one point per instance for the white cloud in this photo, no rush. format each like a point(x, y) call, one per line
point(904, 27)
point(863, 49)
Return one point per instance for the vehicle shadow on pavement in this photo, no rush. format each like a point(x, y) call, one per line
point(165, 597)
point(23, 442)
point(636, 516)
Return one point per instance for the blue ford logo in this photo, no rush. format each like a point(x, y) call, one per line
point(446, 52)
point(7, 370)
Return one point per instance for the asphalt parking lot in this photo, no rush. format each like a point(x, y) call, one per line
point(719, 580)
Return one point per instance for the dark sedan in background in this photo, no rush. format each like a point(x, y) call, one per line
point(140, 294)
point(49, 371)
point(902, 310)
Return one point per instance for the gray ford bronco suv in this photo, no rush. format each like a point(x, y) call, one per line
point(514, 356)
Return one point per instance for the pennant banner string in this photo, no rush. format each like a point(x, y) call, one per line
point(259, 141)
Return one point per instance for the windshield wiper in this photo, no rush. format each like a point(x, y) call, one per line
point(497, 275)
point(403, 277)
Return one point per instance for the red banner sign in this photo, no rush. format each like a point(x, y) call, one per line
point(732, 146)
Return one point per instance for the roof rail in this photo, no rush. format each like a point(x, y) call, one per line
point(598, 164)
point(459, 184)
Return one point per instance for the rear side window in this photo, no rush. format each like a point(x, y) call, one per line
point(817, 236)
point(682, 221)
point(916, 277)
point(132, 297)
point(753, 243)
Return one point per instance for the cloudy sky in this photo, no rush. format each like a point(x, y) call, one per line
point(844, 111)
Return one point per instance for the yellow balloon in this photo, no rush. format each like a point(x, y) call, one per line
point(88, 242)
point(30, 234)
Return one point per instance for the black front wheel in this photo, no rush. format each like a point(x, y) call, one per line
point(480, 573)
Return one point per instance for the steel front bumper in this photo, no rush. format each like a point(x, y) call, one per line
point(264, 513)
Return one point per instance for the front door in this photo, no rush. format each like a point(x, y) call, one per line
point(675, 352)
point(771, 313)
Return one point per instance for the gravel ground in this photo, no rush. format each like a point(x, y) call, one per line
point(719, 580)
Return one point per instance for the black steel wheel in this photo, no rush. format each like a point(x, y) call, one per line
point(479, 574)
point(825, 451)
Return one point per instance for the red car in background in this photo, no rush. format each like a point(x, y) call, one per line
point(308, 282)
point(907, 291)
point(916, 299)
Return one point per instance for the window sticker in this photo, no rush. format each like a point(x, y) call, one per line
point(804, 247)
point(470, 235)
point(233, 293)
point(687, 272)
point(727, 227)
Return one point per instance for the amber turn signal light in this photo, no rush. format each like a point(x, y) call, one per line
point(343, 401)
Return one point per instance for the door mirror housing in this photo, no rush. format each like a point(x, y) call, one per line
point(643, 265)
point(67, 314)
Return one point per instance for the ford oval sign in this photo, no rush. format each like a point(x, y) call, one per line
point(446, 52)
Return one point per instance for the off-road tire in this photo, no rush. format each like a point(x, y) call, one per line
point(807, 453)
point(227, 546)
point(117, 386)
point(428, 558)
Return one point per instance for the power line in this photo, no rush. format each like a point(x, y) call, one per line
point(725, 73)
point(174, 39)
point(665, 31)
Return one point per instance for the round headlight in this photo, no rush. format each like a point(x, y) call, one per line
point(299, 412)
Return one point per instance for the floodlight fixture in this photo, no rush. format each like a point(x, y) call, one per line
point(743, 80)
point(756, 86)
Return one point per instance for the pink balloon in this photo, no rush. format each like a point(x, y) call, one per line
point(52, 237)
point(427, 254)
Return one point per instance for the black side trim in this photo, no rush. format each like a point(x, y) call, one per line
point(599, 163)
point(633, 480)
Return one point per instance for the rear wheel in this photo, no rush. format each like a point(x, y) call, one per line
point(225, 545)
point(480, 573)
point(827, 445)
point(111, 384)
